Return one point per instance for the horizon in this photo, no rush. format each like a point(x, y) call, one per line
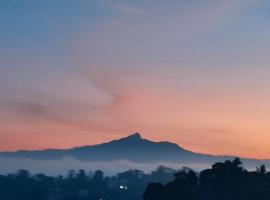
point(138, 135)
point(194, 73)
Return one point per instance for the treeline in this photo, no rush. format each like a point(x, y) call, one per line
point(224, 181)
point(80, 185)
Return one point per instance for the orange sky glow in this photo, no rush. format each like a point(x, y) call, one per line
point(195, 73)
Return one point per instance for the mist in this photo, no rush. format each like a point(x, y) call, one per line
point(62, 166)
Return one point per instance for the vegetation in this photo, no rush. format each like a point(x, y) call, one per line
point(80, 185)
point(224, 181)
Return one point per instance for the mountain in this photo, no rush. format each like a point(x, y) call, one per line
point(133, 148)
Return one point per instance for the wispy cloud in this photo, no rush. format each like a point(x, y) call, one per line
point(125, 8)
point(95, 70)
point(57, 167)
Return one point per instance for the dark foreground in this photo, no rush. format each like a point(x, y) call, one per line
point(224, 181)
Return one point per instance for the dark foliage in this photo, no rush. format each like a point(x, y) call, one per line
point(224, 181)
point(80, 185)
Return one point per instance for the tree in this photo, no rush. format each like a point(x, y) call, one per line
point(261, 169)
point(154, 191)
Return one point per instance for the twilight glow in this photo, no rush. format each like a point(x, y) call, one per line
point(83, 72)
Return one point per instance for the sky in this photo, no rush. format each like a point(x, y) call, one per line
point(80, 72)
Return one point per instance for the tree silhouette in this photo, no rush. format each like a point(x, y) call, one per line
point(154, 191)
point(224, 181)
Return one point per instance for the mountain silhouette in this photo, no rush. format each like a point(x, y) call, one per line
point(131, 148)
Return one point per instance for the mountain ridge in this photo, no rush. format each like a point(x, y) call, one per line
point(132, 148)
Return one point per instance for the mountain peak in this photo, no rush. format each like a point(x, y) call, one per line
point(130, 139)
point(134, 136)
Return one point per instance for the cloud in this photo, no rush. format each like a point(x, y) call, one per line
point(174, 70)
point(61, 167)
point(57, 167)
point(124, 8)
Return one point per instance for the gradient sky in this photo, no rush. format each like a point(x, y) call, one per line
point(76, 72)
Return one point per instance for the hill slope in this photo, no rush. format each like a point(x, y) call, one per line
point(132, 148)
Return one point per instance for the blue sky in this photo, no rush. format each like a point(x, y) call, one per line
point(193, 72)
